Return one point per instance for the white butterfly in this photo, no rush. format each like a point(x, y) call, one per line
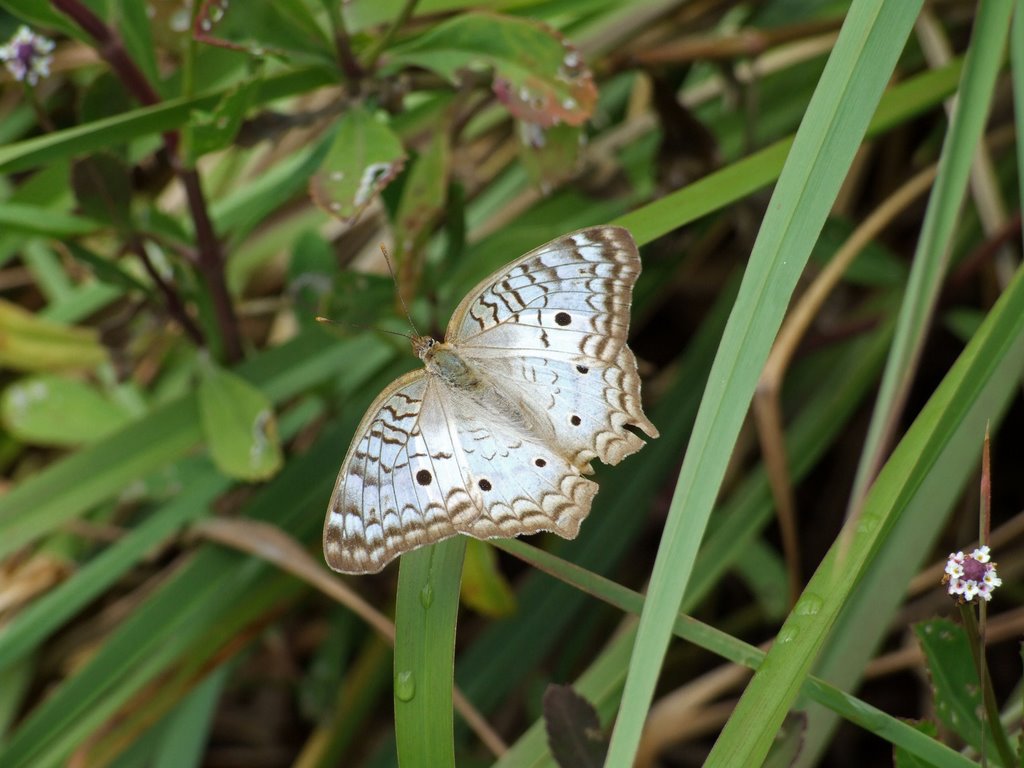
point(492, 438)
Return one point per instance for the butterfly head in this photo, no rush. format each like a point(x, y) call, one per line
point(423, 346)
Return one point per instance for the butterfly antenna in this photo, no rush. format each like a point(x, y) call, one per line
point(398, 292)
point(328, 321)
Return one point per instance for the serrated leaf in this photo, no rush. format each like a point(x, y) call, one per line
point(574, 731)
point(50, 410)
point(238, 424)
point(364, 157)
point(539, 76)
point(954, 678)
point(31, 344)
point(484, 587)
point(213, 130)
point(280, 27)
point(550, 155)
point(103, 189)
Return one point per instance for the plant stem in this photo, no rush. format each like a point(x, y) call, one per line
point(211, 260)
point(999, 737)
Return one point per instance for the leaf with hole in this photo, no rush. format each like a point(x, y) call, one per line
point(364, 157)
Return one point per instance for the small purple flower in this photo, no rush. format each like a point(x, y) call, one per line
point(27, 55)
point(971, 575)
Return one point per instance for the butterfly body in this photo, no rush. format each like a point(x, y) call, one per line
point(493, 436)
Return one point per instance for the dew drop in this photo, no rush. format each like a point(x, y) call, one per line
point(808, 605)
point(405, 685)
point(427, 596)
point(787, 635)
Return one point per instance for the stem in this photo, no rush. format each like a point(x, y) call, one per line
point(343, 46)
point(974, 637)
point(174, 303)
point(211, 259)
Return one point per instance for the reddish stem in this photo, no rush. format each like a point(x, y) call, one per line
point(211, 261)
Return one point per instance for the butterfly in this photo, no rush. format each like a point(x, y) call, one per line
point(493, 437)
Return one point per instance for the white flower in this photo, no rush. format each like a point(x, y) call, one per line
point(27, 55)
point(971, 575)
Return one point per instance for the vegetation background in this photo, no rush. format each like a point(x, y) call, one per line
point(828, 199)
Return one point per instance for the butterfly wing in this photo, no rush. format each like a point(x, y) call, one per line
point(399, 486)
point(426, 464)
point(550, 329)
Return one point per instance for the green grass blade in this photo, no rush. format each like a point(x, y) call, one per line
point(168, 115)
point(967, 125)
point(425, 618)
point(42, 617)
point(944, 442)
point(861, 63)
point(529, 751)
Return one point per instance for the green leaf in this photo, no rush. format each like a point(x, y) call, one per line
point(213, 130)
point(42, 15)
point(539, 76)
point(903, 758)
point(282, 27)
point(954, 678)
point(484, 588)
point(550, 156)
point(428, 584)
point(17, 218)
point(50, 410)
point(28, 343)
point(423, 195)
point(103, 189)
point(239, 425)
point(364, 157)
point(107, 270)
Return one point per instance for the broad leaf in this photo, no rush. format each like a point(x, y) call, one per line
point(539, 76)
point(50, 410)
point(239, 425)
point(364, 157)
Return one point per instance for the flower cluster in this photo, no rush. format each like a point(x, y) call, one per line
point(970, 575)
point(27, 55)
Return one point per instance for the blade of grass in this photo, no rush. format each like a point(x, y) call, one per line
point(967, 124)
point(528, 751)
point(861, 63)
point(866, 617)
point(171, 114)
point(425, 619)
point(942, 443)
